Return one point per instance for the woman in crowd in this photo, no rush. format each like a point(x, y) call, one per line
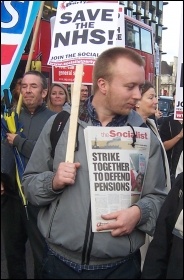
point(57, 97)
point(147, 107)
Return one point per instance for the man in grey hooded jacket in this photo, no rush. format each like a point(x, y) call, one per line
point(62, 188)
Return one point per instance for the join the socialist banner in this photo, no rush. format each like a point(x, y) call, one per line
point(17, 19)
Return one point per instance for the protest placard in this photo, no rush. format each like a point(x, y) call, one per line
point(66, 75)
point(82, 30)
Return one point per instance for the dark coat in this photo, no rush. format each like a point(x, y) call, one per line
point(32, 126)
point(168, 130)
point(164, 259)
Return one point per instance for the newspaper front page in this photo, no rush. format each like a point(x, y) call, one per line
point(116, 167)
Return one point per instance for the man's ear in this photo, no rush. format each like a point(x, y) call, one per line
point(44, 93)
point(102, 85)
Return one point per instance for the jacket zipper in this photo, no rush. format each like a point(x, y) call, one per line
point(52, 218)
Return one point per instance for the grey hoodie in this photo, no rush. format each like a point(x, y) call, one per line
point(64, 219)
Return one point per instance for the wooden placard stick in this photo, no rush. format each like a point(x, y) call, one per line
point(74, 113)
point(157, 88)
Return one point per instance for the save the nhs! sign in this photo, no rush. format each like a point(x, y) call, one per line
point(17, 19)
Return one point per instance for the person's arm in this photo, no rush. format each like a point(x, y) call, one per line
point(40, 183)
point(166, 134)
point(38, 175)
point(169, 144)
point(23, 145)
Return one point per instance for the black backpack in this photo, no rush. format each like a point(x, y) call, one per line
point(57, 128)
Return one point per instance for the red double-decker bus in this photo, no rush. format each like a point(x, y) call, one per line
point(139, 37)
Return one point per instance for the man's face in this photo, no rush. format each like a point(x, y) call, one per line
point(32, 91)
point(124, 90)
point(84, 93)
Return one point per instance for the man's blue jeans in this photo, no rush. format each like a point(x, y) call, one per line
point(54, 268)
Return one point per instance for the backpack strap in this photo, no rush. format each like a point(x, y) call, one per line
point(57, 128)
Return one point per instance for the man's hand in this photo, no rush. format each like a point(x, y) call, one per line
point(180, 135)
point(11, 137)
point(2, 188)
point(65, 175)
point(158, 114)
point(124, 221)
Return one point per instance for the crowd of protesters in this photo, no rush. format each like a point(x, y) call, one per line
point(57, 219)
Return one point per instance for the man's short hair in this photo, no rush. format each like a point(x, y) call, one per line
point(102, 67)
point(39, 74)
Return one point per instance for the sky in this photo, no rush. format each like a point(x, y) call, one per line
point(170, 36)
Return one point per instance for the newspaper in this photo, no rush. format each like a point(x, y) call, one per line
point(116, 167)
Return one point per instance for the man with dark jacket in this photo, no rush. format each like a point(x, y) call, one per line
point(16, 226)
point(164, 259)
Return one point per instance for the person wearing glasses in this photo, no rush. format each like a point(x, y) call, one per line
point(84, 93)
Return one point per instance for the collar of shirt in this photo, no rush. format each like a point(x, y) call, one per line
point(118, 120)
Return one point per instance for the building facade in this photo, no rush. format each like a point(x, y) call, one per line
point(168, 77)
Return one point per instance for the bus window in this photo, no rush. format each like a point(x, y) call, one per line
point(132, 36)
point(146, 41)
point(137, 37)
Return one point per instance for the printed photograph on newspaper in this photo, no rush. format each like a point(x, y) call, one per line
point(117, 161)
